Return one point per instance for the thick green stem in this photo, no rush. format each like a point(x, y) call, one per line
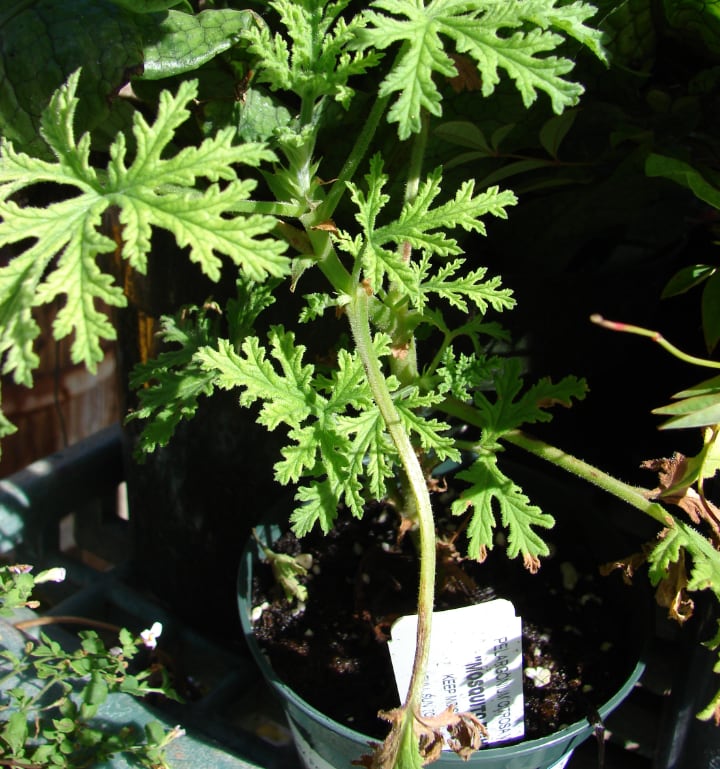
point(327, 260)
point(327, 208)
point(271, 208)
point(417, 159)
point(632, 495)
point(404, 365)
point(358, 315)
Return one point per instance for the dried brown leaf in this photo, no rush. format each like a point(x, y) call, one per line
point(465, 732)
point(628, 566)
point(328, 226)
point(674, 490)
point(466, 736)
point(383, 754)
point(672, 593)
point(670, 470)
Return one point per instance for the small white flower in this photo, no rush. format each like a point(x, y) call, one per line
point(149, 637)
point(56, 574)
point(175, 732)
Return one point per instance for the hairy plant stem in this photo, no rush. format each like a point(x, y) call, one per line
point(417, 158)
point(325, 255)
point(632, 495)
point(271, 208)
point(358, 315)
point(327, 208)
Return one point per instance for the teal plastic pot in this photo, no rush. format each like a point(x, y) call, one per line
point(325, 744)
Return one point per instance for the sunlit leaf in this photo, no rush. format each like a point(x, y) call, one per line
point(156, 189)
point(517, 36)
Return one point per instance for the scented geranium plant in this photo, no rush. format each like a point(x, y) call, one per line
point(315, 173)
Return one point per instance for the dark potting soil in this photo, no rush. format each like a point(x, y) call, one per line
point(333, 651)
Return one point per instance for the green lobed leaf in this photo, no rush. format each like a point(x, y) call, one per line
point(705, 571)
point(315, 59)
point(337, 443)
point(285, 393)
point(432, 434)
point(154, 190)
point(378, 263)
point(318, 506)
point(462, 374)
point(513, 35)
point(472, 286)
point(488, 486)
point(420, 217)
point(424, 225)
point(372, 455)
point(170, 386)
point(510, 410)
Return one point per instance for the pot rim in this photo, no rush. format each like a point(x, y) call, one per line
point(578, 729)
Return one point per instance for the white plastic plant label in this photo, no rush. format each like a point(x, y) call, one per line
point(475, 664)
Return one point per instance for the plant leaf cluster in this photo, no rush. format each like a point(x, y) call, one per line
point(52, 698)
point(356, 426)
point(150, 191)
point(371, 417)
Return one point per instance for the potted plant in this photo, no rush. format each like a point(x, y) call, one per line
point(317, 182)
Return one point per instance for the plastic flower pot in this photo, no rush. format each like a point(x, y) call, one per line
point(325, 744)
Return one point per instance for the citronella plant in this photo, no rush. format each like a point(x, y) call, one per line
point(51, 699)
point(317, 176)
